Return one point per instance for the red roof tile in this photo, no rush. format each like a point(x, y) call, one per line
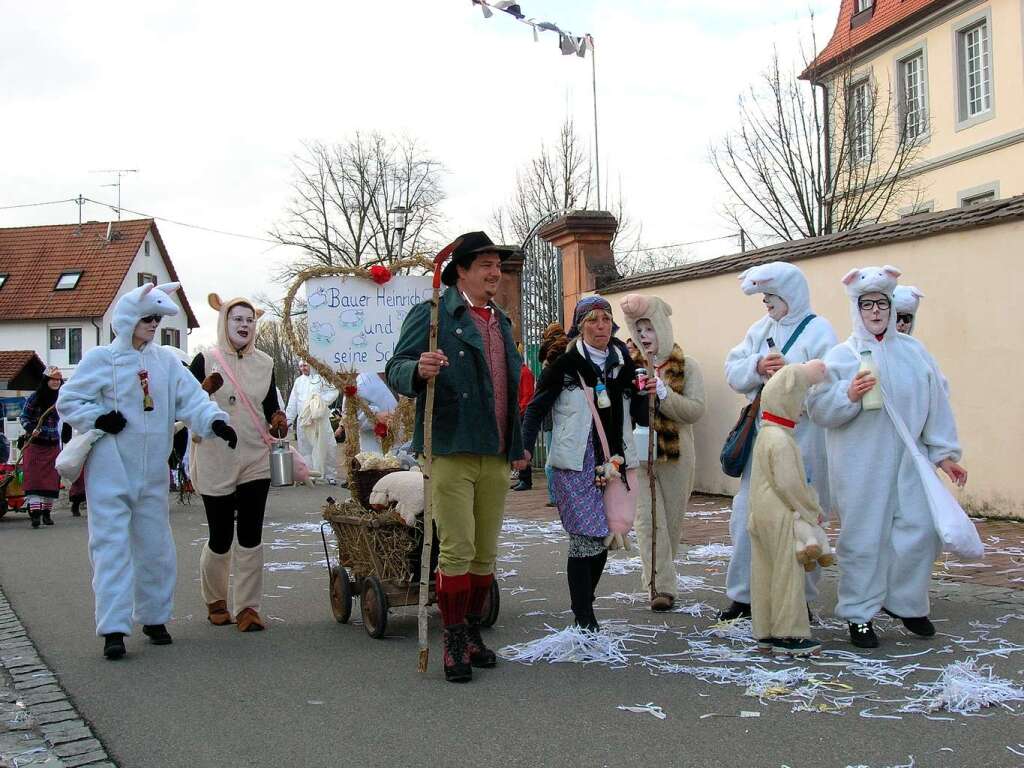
point(887, 18)
point(20, 369)
point(33, 258)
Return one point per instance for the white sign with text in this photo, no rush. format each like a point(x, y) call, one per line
point(354, 323)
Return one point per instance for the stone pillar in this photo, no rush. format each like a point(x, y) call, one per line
point(510, 292)
point(585, 241)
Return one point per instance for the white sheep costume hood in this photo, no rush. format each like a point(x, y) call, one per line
point(905, 301)
point(781, 279)
point(130, 544)
point(870, 280)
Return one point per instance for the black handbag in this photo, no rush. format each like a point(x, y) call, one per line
point(740, 441)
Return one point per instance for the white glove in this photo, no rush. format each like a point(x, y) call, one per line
point(662, 388)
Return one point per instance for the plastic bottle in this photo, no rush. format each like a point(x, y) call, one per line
point(872, 400)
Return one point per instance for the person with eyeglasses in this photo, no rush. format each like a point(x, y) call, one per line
point(887, 542)
point(133, 391)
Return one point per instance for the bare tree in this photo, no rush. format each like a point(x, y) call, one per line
point(798, 167)
point(271, 339)
point(345, 195)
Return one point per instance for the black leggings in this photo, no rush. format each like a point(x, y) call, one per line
point(250, 502)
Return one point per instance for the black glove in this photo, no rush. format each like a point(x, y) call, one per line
point(225, 433)
point(111, 423)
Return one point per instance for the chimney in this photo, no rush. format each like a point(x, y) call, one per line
point(110, 231)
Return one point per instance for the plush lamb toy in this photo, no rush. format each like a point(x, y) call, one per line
point(404, 490)
point(783, 517)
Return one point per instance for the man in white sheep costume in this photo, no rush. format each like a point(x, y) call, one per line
point(747, 368)
point(783, 523)
point(905, 301)
point(887, 542)
point(133, 390)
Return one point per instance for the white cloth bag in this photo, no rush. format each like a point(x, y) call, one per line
point(71, 459)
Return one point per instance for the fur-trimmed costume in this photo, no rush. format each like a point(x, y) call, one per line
point(130, 545)
point(784, 510)
point(675, 413)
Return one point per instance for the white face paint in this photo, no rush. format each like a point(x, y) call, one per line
point(304, 369)
point(777, 308)
point(241, 326)
point(647, 335)
point(876, 319)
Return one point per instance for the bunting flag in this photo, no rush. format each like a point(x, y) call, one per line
point(568, 43)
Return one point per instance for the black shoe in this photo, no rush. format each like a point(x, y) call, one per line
point(36, 518)
point(522, 486)
point(795, 646)
point(157, 634)
point(75, 511)
point(919, 625)
point(113, 646)
point(586, 620)
point(479, 654)
point(457, 665)
point(863, 635)
point(47, 520)
point(736, 610)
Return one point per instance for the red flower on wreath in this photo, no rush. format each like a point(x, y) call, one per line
point(350, 390)
point(380, 274)
point(380, 430)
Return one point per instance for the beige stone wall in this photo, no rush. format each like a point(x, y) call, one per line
point(945, 139)
point(968, 320)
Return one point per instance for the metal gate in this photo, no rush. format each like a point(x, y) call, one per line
point(541, 301)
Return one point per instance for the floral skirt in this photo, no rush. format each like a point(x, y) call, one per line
point(580, 503)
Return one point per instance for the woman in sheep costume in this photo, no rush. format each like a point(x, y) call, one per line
point(680, 404)
point(234, 483)
point(747, 368)
point(134, 390)
point(887, 542)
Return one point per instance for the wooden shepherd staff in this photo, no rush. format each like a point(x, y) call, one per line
point(651, 406)
point(428, 450)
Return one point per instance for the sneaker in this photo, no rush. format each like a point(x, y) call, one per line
point(863, 635)
point(479, 654)
point(521, 486)
point(765, 645)
point(457, 665)
point(795, 646)
point(919, 625)
point(157, 634)
point(736, 610)
point(113, 646)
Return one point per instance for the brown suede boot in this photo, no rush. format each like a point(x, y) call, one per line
point(218, 613)
point(248, 620)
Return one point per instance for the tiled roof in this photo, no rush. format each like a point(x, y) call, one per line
point(20, 365)
point(919, 226)
point(34, 258)
point(887, 17)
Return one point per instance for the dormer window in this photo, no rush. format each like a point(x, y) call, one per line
point(3, 279)
point(863, 10)
point(862, 5)
point(68, 280)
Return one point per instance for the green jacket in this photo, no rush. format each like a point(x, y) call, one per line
point(464, 395)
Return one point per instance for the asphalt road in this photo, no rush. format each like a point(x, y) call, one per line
point(312, 692)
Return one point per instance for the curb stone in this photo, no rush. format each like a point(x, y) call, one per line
point(39, 726)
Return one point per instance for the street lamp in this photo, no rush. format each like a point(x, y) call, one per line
point(399, 217)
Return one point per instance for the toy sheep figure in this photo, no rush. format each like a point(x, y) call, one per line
point(404, 490)
point(783, 519)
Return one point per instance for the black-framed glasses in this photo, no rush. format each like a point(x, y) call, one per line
point(868, 304)
point(908, 319)
point(150, 319)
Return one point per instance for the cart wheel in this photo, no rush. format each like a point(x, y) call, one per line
point(492, 604)
point(341, 594)
point(374, 605)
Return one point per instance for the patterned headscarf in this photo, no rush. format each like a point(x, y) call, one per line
point(583, 308)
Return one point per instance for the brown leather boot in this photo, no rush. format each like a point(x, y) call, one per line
point(249, 620)
point(218, 613)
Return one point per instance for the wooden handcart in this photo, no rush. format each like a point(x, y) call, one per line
point(378, 561)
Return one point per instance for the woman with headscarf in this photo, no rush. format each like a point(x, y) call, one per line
point(603, 364)
point(789, 325)
point(887, 542)
point(234, 483)
point(679, 388)
point(40, 421)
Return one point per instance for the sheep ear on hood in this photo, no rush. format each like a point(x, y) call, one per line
point(169, 288)
point(916, 293)
point(893, 272)
point(260, 313)
point(214, 301)
point(146, 289)
point(850, 276)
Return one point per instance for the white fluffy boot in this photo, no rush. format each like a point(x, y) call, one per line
point(248, 590)
point(214, 571)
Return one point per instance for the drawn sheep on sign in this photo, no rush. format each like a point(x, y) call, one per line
point(351, 318)
point(321, 333)
point(359, 341)
point(317, 299)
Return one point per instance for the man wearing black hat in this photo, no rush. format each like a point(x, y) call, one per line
point(476, 434)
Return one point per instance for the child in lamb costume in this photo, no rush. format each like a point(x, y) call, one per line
point(784, 517)
point(747, 368)
point(887, 542)
point(905, 301)
point(680, 404)
point(134, 390)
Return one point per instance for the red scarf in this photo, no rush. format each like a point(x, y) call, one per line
point(766, 416)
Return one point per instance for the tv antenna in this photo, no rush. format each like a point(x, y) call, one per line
point(120, 173)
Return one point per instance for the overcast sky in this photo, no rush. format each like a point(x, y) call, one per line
point(211, 100)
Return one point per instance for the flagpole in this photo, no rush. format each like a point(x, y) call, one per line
point(597, 154)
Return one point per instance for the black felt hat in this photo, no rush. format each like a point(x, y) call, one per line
point(472, 245)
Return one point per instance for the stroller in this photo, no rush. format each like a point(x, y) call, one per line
point(12, 494)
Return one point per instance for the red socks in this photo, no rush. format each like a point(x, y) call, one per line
point(453, 593)
point(479, 588)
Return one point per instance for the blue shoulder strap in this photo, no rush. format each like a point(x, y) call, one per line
point(796, 334)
